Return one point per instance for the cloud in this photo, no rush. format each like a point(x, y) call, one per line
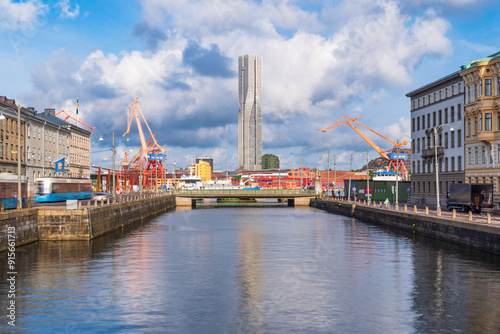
point(186, 80)
point(207, 62)
point(66, 10)
point(20, 15)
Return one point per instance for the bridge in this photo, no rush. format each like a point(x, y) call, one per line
point(293, 197)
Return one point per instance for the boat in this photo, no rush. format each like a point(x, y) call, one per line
point(190, 182)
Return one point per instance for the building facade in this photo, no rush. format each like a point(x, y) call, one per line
point(201, 169)
point(250, 113)
point(270, 161)
point(482, 122)
point(438, 105)
point(47, 140)
point(9, 135)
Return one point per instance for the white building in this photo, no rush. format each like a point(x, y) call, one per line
point(250, 114)
point(438, 105)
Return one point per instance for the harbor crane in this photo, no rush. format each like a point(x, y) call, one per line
point(150, 151)
point(394, 163)
point(73, 116)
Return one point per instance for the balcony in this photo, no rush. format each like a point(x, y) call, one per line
point(487, 136)
point(429, 152)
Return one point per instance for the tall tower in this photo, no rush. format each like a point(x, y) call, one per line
point(250, 115)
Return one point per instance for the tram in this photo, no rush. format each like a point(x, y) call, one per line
point(52, 189)
point(8, 190)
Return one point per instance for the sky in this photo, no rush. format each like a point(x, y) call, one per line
point(321, 60)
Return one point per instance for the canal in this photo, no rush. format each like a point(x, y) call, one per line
point(254, 270)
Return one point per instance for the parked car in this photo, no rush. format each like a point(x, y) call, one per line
point(100, 196)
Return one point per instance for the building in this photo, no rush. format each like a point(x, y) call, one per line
point(78, 153)
point(201, 169)
point(482, 122)
point(438, 105)
point(207, 159)
point(9, 136)
point(47, 140)
point(250, 114)
point(270, 161)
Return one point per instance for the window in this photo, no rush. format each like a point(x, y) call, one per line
point(459, 87)
point(418, 167)
point(1, 149)
point(452, 164)
point(459, 111)
point(459, 163)
point(446, 140)
point(475, 125)
point(452, 90)
point(413, 146)
point(487, 87)
point(480, 122)
point(423, 122)
point(487, 122)
point(413, 124)
point(452, 114)
point(477, 156)
point(452, 139)
point(418, 123)
point(434, 118)
point(483, 158)
point(470, 156)
point(418, 145)
point(446, 115)
point(476, 92)
point(428, 120)
point(459, 138)
point(413, 165)
point(440, 165)
point(445, 164)
point(440, 139)
point(440, 118)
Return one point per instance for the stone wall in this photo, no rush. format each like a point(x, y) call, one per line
point(473, 234)
point(83, 224)
point(25, 223)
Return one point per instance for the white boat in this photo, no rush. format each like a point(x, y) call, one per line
point(190, 182)
point(386, 176)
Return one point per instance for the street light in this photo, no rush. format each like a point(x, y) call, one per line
point(114, 172)
point(436, 160)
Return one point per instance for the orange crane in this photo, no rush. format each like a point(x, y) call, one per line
point(394, 164)
point(149, 151)
point(72, 115)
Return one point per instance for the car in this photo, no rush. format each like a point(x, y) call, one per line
point(101, 196)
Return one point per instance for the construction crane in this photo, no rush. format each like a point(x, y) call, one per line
point(394, 164)
point(150, 151)
point(73, 116)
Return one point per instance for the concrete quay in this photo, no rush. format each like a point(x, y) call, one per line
point(41, 224)
point(481, 234)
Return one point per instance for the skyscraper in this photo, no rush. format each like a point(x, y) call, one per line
point(250, 115)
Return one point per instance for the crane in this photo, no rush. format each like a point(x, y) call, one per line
point(394, 164)
point(72, 115)
point(149, 150)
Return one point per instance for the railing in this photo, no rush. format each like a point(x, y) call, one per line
point(245, 192)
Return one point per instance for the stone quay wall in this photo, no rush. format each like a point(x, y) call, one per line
point(32, 225)
point(477, 234)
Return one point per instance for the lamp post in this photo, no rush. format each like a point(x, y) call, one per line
point(436, 162)
point(367, 178)
point(19, 191)
point(349, 191)
point(114, 172)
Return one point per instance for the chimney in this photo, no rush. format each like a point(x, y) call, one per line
point(50, 111)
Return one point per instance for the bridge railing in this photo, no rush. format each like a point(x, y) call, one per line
point(244, 192)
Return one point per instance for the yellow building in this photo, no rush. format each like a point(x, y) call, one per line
point(482, 121)
point(201, 169)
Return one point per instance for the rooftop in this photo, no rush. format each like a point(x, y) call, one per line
point(474, 63)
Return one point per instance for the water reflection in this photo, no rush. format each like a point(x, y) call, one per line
point(255, 270)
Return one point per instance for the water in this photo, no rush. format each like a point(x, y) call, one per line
point(254, 270)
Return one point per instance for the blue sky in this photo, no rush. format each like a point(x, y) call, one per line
point(322, 60)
